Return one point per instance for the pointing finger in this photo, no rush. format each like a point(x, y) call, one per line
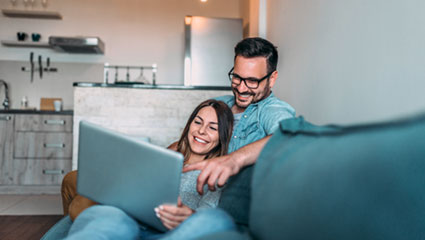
point(213, 178)
point(202, 178)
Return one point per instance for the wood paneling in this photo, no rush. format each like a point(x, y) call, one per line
point(6, 148)
point(41, 122)
point(35, 152)
point(40, 172)
point(43, 145)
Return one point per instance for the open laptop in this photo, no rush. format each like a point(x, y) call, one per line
point(119, 170)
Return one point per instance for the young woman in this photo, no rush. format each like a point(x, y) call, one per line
point(206, 135)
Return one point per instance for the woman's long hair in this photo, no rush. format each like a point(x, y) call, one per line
point(225, 127)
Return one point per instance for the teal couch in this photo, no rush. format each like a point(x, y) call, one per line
point(332, 182)
point(355, 182)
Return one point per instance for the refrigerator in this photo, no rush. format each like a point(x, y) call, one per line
point(209, 49)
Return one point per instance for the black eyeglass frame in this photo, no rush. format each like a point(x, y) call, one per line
point(230, 74)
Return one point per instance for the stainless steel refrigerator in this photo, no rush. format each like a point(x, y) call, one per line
point(209, 49)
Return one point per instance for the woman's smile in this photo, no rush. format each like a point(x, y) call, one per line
point(198, 139)
point(203, 131)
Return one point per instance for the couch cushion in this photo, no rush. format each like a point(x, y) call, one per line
point(236, 196)
point(357, 182)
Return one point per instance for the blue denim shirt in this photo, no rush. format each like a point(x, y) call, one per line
point(258, 120)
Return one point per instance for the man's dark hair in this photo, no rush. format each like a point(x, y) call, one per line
point(258, 47)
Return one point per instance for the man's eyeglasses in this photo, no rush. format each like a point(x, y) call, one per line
point(251, 83)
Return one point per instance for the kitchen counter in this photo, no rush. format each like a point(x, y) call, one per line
point(30, 111)
point(148, 86)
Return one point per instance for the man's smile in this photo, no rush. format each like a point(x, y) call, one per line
point(243, 96)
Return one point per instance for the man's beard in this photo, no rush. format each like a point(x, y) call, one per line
point(264, 94)
point(239, 103)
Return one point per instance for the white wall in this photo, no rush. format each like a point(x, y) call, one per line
point(52, 85)
point(138, 32)
point(346, 61)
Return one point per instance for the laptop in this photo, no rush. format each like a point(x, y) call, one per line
point(119, 170)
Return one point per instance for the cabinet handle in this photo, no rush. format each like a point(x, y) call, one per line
point(6, 118)
point(54, 145)
point(53, 171)
point(54, 122)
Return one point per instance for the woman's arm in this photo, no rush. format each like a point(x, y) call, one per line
point(173, 146)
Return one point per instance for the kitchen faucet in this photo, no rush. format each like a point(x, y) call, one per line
point(6, 95)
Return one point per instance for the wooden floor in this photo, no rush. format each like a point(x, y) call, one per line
point(26, 227)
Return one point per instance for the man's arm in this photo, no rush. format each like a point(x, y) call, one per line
point(219, 169)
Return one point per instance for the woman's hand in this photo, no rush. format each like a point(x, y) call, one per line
point(171, 216)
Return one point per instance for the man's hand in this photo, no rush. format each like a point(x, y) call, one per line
point(171, 216)
point(214, 170)
point(219, 169)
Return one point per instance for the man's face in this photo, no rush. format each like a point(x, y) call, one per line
point(251, 68)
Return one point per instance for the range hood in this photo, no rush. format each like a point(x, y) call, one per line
point(77, 44)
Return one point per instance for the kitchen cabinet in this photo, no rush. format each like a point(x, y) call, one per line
point(40, 145)
point(6, 148)
point(43, 123)
point(40, 152)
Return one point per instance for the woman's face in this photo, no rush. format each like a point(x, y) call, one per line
point(203, 131)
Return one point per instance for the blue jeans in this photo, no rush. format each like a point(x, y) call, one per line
point(106, 222)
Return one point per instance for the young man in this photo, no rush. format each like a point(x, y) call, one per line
point(257, 114)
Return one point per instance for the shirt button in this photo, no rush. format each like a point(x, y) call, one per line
point(235, 136)
point(245, 116)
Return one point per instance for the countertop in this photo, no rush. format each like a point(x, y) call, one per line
point(30, 111)
point(147, 86)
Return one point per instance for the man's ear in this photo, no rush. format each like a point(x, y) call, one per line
point(273, 78)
